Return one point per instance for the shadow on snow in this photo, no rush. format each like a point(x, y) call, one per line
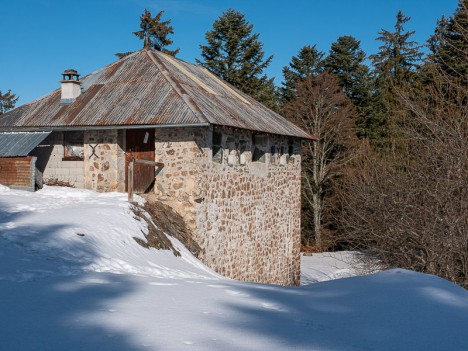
point(48, 303)
point(393, 310)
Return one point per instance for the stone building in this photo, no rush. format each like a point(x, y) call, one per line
point(227, 164)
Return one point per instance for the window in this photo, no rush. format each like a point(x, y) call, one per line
point(217, 149)
point(260, 145)
point(283, 156)
point(233, 151)
point(290, 151)
point(243, 152)
point(73, 146)
point(273, 155)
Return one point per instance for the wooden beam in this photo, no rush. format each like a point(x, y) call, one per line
point(130, 181)
point(149, 163)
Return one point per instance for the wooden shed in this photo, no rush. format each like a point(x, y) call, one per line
point(17, 166)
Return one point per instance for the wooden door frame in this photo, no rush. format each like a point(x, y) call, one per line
point(129, 156)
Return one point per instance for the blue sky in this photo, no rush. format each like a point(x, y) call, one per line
point(41, 38)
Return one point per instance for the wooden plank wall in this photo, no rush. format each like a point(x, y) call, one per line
point(15, 171)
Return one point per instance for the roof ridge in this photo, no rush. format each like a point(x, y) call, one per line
point(176, 86)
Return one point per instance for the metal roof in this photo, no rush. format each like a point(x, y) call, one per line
point(14, 144)
point(151, 88)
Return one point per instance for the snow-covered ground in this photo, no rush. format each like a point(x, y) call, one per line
point(73, 278)
point(320, 267)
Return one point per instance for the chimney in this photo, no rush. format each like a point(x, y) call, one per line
point(71, 88)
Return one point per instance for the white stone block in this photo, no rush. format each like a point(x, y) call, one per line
point(76, 171)
point(62, 172)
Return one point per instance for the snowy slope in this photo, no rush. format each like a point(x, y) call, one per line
point(73, 278)
point(84, 231)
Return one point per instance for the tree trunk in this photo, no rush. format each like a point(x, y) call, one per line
point(317, 207)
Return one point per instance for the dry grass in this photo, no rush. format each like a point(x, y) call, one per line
point(155, 238)
point(56, 182)
point(172, 223)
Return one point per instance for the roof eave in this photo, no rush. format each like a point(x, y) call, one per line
point(101, 127)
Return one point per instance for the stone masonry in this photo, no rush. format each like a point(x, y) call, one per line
point(104, 160)
point(244, 214)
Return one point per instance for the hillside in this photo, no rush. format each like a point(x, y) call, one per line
point(72, 277)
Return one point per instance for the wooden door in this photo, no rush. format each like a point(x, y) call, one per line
point(140, 145)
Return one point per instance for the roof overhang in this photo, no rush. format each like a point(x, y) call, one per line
point(14, 144)
point(104, 127)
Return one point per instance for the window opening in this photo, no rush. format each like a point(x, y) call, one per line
point(242, 152)
point(73, 146)
point(273, 155)
point(290, 150)
point(217, 149)
point(233, 151)
point(260, 145)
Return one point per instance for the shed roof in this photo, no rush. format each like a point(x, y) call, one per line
point(14, 144)
point(149, 88)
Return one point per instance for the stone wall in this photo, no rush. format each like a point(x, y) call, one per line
point(50, 162)
point(244, 214)
point(102, 167)
point(182, 151)
point(104, 160)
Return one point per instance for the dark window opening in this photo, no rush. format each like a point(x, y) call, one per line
point(273, 155)
point(259, 155)
point(233, 151)
point(217, 149)
point(290, 151)
point(260, 145)
point(242, 152)
point(283, 156)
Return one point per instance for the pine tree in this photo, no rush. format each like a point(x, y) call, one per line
point(395, 67)
point(7, 101)
point(307, 63)
point(235, 54)
point(155, 34)
point(449, 44)
point(398, 57)
point(121, 55)
point(346, 62)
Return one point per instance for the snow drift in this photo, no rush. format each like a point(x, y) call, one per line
point(73, 278)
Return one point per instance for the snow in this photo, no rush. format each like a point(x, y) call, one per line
point(325, 266)
point(73, 278)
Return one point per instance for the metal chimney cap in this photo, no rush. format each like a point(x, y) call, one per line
point(71, 71)
point(70, 75)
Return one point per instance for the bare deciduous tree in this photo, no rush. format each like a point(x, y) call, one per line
point(412, 209)
point(323, 110)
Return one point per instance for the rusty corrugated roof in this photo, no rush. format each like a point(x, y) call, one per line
point(151, 88)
